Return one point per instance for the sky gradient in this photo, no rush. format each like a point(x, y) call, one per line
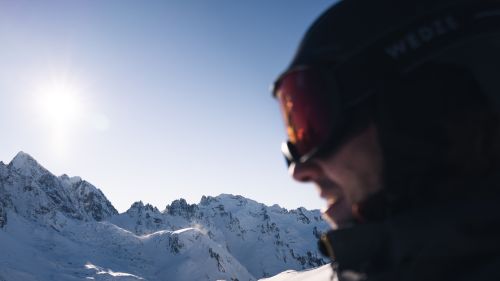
point(170, 99)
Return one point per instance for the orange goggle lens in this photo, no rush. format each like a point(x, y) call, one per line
point(308, 108)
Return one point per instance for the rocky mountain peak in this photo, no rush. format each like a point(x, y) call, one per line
point(139, 207)
point(22, 156)
point(70, 180)
point(26, 165)
point(93, 201)
point(207, 200)
point(151, 208)
point(224, 199)
point(180, 207)
point(38, 194)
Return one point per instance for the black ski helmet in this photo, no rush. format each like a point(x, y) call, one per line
point(371, 41)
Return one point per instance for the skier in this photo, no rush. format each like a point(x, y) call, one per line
point(392, 109)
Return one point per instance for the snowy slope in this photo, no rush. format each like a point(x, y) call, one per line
point(103, 251)
point(266, 240)
point(62, 228)
point(323, 273)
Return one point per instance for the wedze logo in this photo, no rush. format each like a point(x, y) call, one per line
point(422, 35)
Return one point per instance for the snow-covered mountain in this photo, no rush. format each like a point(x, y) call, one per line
point(62, 228)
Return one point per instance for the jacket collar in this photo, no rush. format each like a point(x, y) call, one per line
point(434, 232)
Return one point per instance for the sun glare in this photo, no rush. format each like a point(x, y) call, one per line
point(60, 109)
point(60, 104)
point(65, 111)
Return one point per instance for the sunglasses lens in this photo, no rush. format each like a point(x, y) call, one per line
point(307, 107)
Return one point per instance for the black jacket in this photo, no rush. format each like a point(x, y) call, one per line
point(454, 241)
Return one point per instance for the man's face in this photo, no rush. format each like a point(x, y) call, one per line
point(345, 178)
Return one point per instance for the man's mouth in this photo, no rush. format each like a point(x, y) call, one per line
point(331, 206)
point(338, 212)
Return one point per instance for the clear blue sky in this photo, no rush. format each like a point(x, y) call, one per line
point(153, 100)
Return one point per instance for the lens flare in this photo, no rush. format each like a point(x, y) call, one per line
point(60, 104)
point(60, 110)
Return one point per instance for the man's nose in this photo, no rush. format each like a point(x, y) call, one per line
point(304, 172)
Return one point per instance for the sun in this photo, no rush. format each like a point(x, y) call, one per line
point(60, 104)
point(60, 111)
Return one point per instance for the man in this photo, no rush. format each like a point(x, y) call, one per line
point(391, 109)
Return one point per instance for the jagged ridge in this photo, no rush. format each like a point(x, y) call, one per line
point(37, 194)
point(285, 239)
point(226, 237)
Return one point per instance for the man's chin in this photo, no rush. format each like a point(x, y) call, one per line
point(338, 215)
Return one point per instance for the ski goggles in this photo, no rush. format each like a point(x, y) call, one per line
point(318, 102)
point(316, 118)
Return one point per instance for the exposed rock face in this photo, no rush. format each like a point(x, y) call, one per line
point(92, 200)
point(37, 194)
point(3, 217)
point(144, 219)
point(181, 208)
